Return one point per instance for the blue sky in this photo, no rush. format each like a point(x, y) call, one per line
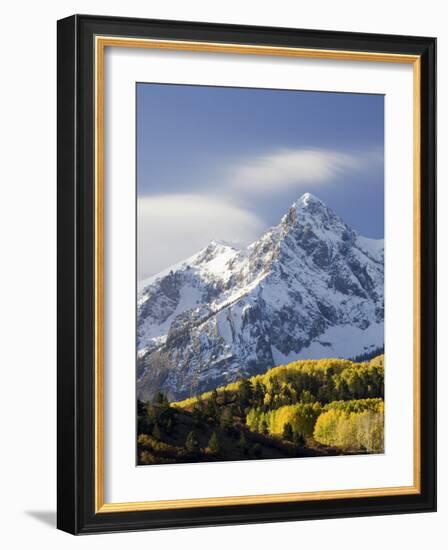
point(226, 163)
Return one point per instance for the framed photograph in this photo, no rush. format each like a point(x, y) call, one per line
point(246, 274)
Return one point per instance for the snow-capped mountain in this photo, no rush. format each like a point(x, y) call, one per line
point(311, 287)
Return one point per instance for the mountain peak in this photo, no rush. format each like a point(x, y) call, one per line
point(307, 209)
point(307, 199)
point(310, 287)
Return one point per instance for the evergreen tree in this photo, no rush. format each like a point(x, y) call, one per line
point(145, 420)
point(242, 443)
point(307, 397)
point(259, 391)
point(161, 400)
point(156, 432)
point(264, 428)
point(141, 408)
point(214, 396)
point(192, 443)
point(298, 439)
point(286, 396)
point(226, 419)
point(165, 416)
point(287, 432)
point(213, 444)
point(197, 417)
point(245, 392)
point(234, 411)
point(151, 416)
point(169, 425)
point(224, 397)
point(275, 387)
point(211, 410)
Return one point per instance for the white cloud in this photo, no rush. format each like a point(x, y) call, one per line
point(290, 168)
point(173, 227)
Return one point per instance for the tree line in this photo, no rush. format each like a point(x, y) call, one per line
point(290, 410)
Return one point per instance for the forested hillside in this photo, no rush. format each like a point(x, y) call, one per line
point(305, 408)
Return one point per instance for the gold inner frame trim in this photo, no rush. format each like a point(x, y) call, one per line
point(101, 42)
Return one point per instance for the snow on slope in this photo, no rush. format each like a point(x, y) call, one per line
point(309, 287)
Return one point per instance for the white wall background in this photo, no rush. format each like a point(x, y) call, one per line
point(28, 270)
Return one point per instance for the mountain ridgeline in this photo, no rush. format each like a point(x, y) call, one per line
point(309, 288)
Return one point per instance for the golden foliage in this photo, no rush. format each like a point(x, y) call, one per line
point(301, 417)
point(351, 431)
point(350, 380)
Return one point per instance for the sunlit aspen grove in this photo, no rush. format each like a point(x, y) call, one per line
point(306, 408)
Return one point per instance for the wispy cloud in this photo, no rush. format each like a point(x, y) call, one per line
point(173, 227)
point(297, 168)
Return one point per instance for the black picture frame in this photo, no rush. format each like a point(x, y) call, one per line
point(76, 512)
